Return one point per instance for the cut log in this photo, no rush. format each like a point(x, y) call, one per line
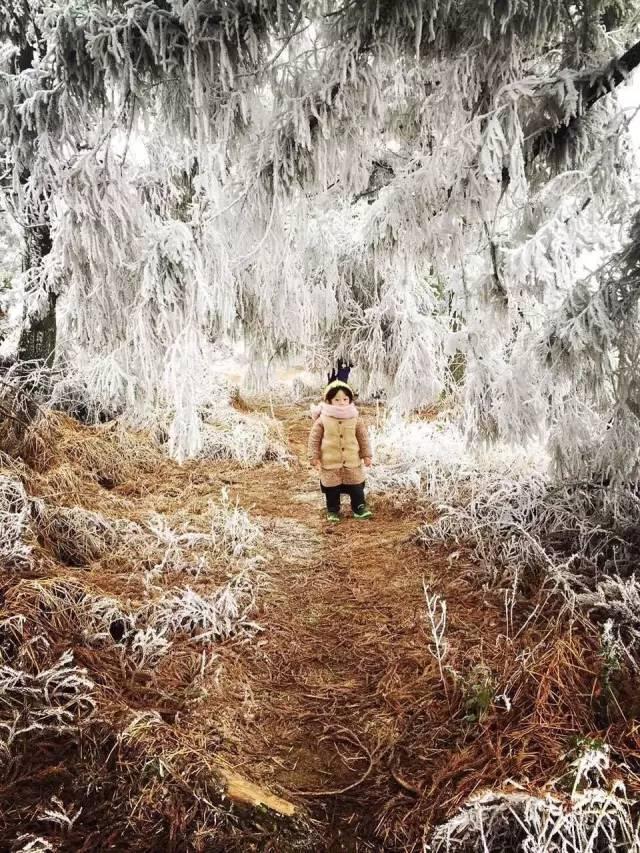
point(240, 790)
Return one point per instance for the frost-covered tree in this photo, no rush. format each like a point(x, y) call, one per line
point(115, 243)
point(414, 184)
point(9, 263)
point(20, 56)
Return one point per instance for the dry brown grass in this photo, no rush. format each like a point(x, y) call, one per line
point(336, 706)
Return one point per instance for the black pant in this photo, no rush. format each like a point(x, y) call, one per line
point(332, 494)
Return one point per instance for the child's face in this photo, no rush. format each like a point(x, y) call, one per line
point(340, 399)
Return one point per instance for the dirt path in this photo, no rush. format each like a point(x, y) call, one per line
point(333, 678)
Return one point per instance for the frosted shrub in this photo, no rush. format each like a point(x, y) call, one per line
point(492, 514)
point(434, 458)
point(15, 513)
point(69, 607)
point(404, 454)
point(179, 550)
point(143, 633)
point(594, 819)
point(614, 599)
point(147, 646)
point(248, 440)
point(209, 617)
point(105, 621)
point(232, 529)
point(55, 699)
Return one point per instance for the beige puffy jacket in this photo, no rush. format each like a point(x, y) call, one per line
point(339, 447)
point(339, 443)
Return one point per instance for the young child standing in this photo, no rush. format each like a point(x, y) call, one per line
point(338, 447)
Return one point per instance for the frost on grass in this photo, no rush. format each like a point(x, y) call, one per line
point(232, 535)
point(593, 819)
point(231, 531)
point(248, 440)
point(15, 549)
point(207, 617)
point(68, 607)
point(144, 632)
point(232, 528)
point(218, 615)
point(580, 536)
point(502, 504)
point(38, 699)
point(409, 455)
point(77, 536)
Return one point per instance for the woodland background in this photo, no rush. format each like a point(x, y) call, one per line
point(443, 192)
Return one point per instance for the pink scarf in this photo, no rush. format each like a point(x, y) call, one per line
point(342, 413)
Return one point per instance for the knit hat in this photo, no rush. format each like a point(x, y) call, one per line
point(338, 384)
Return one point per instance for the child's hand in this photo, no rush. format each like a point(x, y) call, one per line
point(368, 461)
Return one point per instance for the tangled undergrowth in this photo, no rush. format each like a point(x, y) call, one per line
point(217, 427)
point(557, 555)
point(502, 505)
point(110, 619)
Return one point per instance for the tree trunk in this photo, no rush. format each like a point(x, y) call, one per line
point(38, 338)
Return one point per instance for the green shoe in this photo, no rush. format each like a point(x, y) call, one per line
point(333, 517)
point(363, 512)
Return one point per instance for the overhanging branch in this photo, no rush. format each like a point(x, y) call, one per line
point(590, 90)
point(616, 73)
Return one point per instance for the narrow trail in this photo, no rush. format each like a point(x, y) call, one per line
point(327, 698)
point(336, 617)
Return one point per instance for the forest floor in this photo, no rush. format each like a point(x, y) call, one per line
point(336, 708)
point(348, 711)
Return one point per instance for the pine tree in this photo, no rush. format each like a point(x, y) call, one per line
point(20, 30)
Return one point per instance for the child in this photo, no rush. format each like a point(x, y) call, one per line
point(338, 445)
